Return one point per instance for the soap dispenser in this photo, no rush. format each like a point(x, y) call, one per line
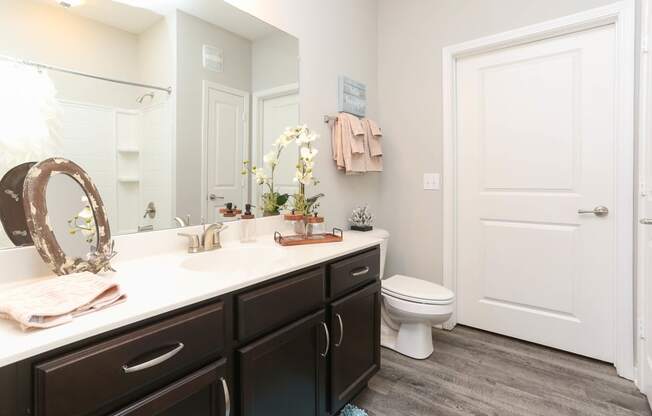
point(247, 226)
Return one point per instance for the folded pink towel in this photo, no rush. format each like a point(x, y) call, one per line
point(58, 300)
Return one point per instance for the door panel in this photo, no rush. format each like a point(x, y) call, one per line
point(356, 344)
point(535, 144)
point(286, 364)
point(225, 146)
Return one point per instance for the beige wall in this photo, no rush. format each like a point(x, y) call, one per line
point(192, 34)
point(336, 37)
point(274, 61)
point(411, 35)
point(33, 31)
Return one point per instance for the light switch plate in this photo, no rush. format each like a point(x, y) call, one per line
point(431, 181)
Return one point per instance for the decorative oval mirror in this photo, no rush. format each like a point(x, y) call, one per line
point(66, 218)
point(12, 214)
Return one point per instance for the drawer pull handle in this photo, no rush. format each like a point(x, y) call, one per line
point(328, 340)
point(227, 397)
point(360, 272)
point(339, 318)
point(151, 363)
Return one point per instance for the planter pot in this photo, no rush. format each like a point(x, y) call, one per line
point(362, 227)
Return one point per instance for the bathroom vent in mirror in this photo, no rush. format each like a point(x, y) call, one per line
point(66, 218)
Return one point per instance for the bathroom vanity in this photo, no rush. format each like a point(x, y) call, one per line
point(302, 343)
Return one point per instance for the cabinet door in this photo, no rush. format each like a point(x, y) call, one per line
point(202, 393)
point(355, 355)
point(284, 373)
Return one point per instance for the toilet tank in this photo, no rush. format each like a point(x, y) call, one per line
point(384, 235)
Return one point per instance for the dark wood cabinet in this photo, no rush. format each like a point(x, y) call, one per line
point(355, 354)
point(352, 272)
point(203, 393)
point(264, 309)
point(303, 344)
point(109, 371)
point(284, 374)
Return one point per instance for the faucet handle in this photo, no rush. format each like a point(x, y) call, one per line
point(194, 244)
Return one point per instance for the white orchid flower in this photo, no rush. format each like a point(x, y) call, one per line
point(308, 154)
point(284, 140)
point(271, 158)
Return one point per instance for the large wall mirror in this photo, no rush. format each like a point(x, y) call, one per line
point(159, 101)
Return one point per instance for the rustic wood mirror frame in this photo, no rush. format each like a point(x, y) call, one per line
point(39, 225)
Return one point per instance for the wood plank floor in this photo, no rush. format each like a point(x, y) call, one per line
point(477, 373)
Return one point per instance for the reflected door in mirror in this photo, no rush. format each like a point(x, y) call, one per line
point(226, 120)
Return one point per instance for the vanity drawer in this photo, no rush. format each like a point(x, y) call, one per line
point(354, 271)
point(264, 309)
point(84, 381)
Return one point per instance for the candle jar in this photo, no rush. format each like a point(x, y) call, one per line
point(315, 225)
point(298, 223)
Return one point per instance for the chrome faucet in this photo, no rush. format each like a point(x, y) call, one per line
point(209, 241)
point(212, 236)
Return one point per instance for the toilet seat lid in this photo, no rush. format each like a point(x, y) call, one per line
point(417, 290)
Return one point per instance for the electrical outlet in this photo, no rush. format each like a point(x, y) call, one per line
point(431, 181)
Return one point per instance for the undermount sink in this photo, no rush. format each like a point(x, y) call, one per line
point(234, 258)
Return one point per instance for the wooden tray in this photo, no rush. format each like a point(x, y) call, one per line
point(299, 240)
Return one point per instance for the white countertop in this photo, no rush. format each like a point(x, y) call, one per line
point(160, 283)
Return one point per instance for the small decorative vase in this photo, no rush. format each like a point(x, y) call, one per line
point(300, 227)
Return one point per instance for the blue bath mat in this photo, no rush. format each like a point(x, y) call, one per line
point(351, 410)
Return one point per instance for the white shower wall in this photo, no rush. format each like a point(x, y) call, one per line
point(128, 153)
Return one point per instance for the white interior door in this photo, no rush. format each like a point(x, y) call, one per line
point(226, 134)
point(535, 128)
point(276, 113)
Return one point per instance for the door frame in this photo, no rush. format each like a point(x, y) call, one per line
point(206, 85)
point(257, 103)
point(622, 15)
point(642, 302)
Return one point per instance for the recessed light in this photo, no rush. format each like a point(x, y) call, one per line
point(71, 3)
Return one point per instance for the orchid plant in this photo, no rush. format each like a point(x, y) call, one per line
point(272, 200)
point(304, 174)
point(83, 223)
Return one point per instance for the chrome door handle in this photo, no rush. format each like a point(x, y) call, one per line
point(360, 272)
point(599, 211)
point(227, 397)
point(328, 340)
point(151, 363)
point(339, 318)
point(646, 221)
point(214, 197)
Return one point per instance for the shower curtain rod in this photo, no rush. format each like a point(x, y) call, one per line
point(82, 74)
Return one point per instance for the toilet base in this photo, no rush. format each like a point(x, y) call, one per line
point(411, 339)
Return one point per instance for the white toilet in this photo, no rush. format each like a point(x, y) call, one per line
point(410, 308)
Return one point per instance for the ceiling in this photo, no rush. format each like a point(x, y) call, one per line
point(216, 12)
point(114, 14)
